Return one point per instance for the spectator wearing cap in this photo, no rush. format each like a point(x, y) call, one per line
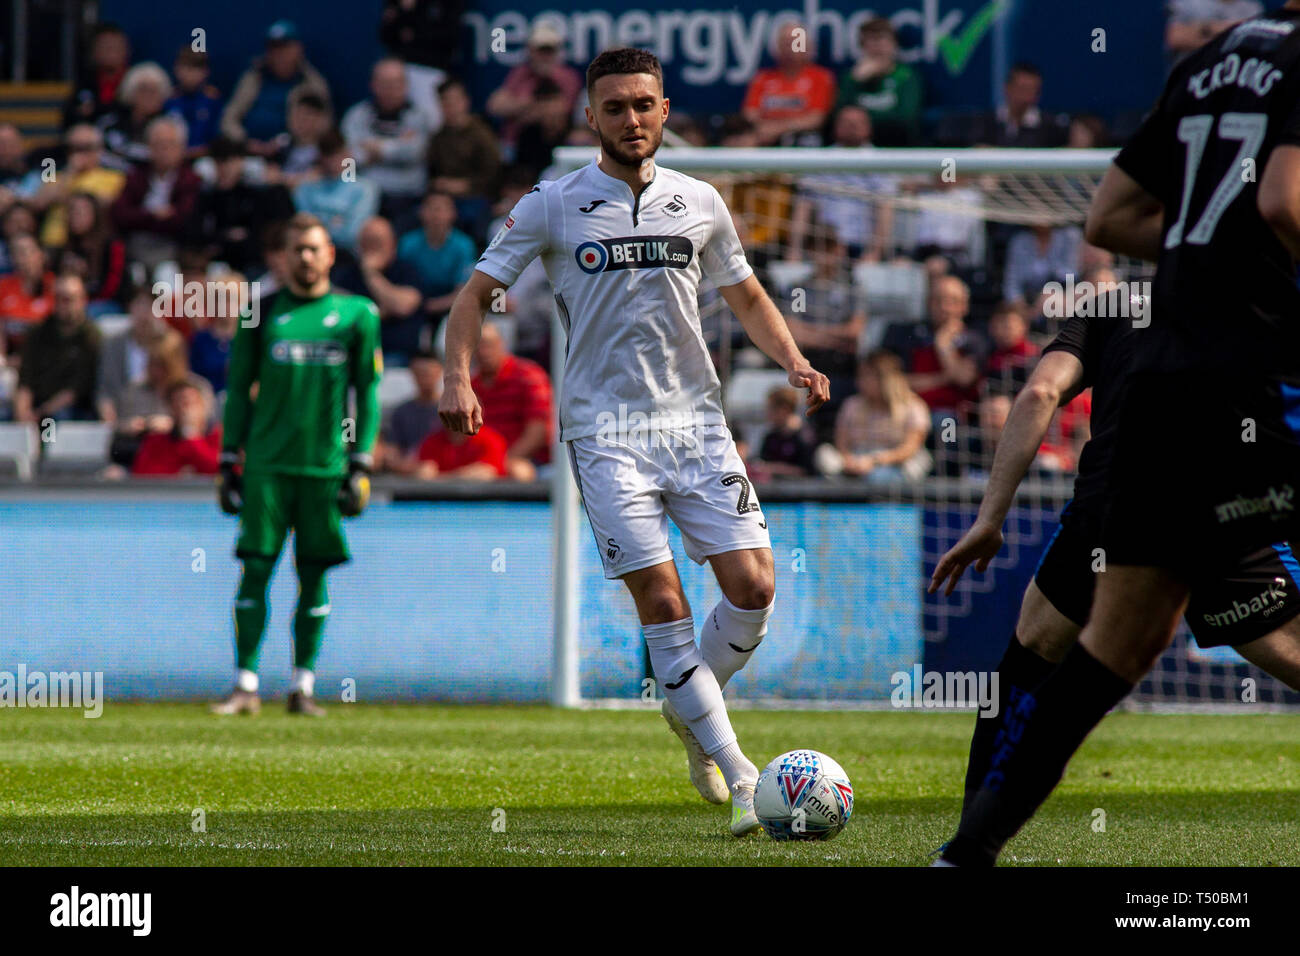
point(144, 90)
point(258, 109)
point(393, 284)
point(388, 136)
point(1019, 121)
point(442, 255)
point(60, 364)
point(191, 447)
point(464, 157)
point(231, 214)
point(414, 420)
point(516, 397)
point(1194, 23)
point(890, 91)
point(159, 196)
point(788, 104)
point(96, 91)
point(516, 102)
point(339, 198)
point(194, 99)
point(83, 171)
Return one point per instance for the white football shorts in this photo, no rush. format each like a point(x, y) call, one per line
point(631, 486)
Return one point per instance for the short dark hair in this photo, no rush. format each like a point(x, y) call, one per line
point(1024, 66)
point(450, 83)
point(188, 56)
point(878, 25)
point(624, 59)
point(180, 385)
point(425, 355)
point(313, 101)
point(226, 147)
point(301, 222)
point(331, 142)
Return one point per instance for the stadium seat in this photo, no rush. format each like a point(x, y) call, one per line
point(895, 290)
point(746, 400)
point(19, 445)
point(113, 324)
point(77, 448)
point(786, 275)
point(395, 387)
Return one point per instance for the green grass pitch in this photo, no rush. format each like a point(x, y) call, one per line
point(422, 785)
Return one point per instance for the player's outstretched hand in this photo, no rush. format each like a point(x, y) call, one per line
point(818, 385)
point(978, 545)
point(459, 408)
point(230, 486)
point(354, 493)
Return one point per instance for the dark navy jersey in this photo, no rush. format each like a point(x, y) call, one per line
point(1106, 348)
point(1225, 294)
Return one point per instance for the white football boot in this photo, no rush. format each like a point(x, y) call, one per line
point(744, 820)
point(705, 774)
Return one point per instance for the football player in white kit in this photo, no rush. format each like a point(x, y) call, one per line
point(625, 243)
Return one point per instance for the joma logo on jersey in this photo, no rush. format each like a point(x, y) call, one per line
point(288, 352)
point(645, 252)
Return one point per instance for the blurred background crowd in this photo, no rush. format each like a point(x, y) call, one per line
point(926, 313)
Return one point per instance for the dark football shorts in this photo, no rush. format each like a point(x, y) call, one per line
point(1255, 597)
point(1205, 471)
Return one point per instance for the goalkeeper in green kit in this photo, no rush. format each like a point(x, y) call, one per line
point(306, 462)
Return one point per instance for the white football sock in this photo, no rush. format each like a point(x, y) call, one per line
point(729, 637)
point(691, 688)
point(304, 681)
point(246, 680)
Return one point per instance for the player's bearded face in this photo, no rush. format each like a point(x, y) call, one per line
point(311, 257)
point(630, 117)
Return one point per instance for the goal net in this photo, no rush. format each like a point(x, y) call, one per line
point(859, 237)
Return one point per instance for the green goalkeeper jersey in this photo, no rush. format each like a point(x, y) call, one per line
point(303, 355)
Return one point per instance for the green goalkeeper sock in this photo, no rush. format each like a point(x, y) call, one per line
point(309, 619)
point(250, 611)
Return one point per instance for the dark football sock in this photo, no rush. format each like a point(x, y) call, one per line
point(1020, 669)
point(1040, 732)
point(250, 611)
point(309, 618)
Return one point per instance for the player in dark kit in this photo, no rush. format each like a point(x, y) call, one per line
point(1206, 458)
point(1255, 607)
point(306, 461)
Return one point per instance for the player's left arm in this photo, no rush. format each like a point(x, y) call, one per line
point(1056, 379)
point(367, 368)
point(723, 259)
point(1124, 218)
point(766, 328)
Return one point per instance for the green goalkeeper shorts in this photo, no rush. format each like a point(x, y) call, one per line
point(274, 503)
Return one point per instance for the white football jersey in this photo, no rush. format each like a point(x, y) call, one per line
point(625, 272)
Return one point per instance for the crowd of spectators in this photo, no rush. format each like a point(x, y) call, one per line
point(159, 176)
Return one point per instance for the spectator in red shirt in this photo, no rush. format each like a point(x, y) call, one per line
point(1013, 355)
point(27, 295)
point(477, 457)
point(788, 104)
point(190, 447)
point(159, 196)
point(516, 397)
point(943, 358)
